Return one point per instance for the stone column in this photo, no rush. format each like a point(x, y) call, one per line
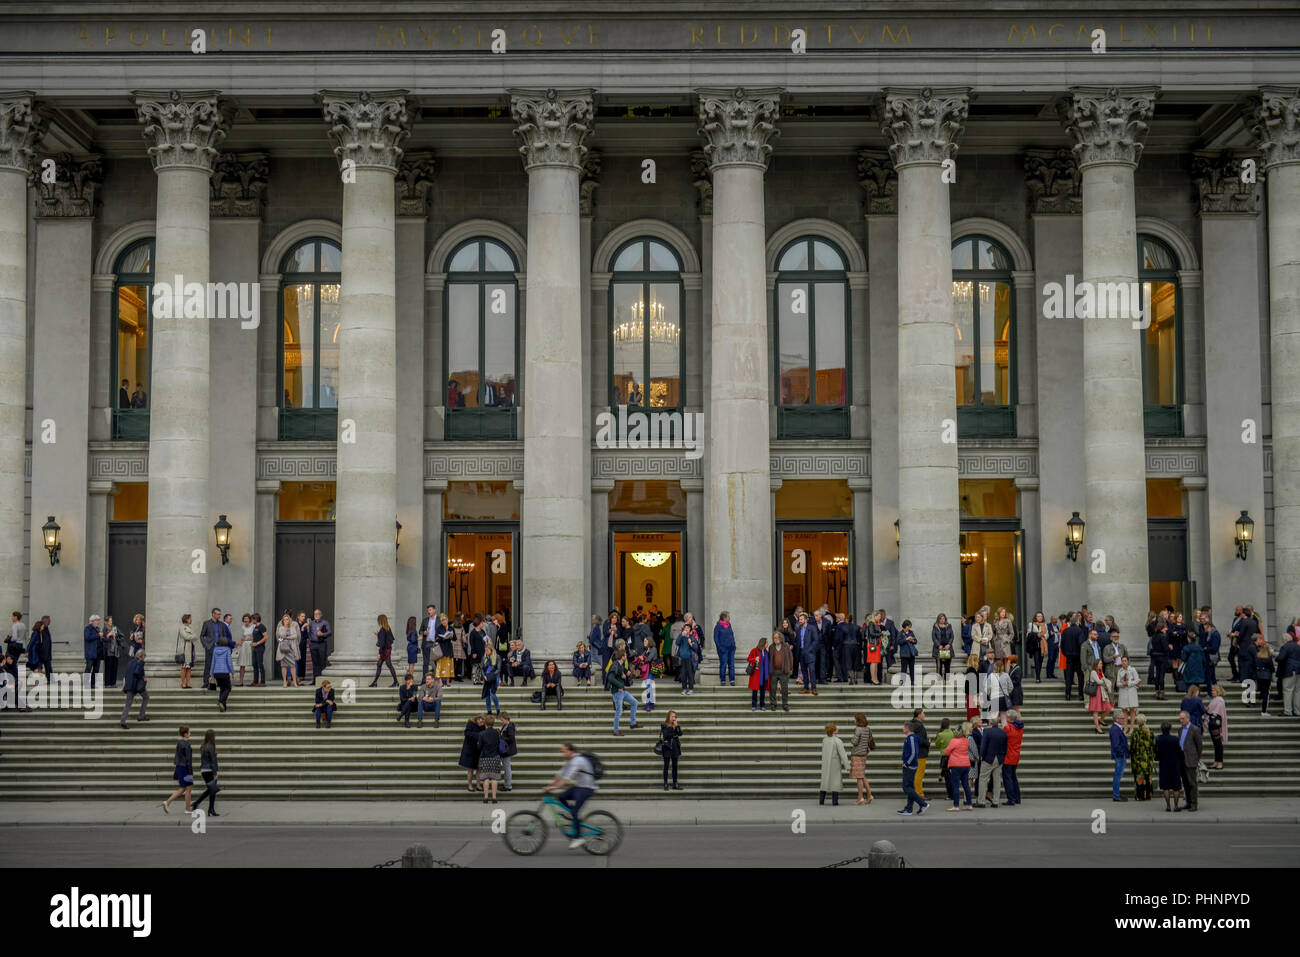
point(695, 546)
point(102, 335)
point(1031, 531)
point(923, 127)
point(1232, 245)
point(876, 175)
point(1053, 179)
point(60, 462)
point(736, 126)
point(21, 129)
point(1107, 126)
point(98, 505)
point(602, 584)
point(1200, 556)
point(860, 560)
point(552, 125)
point(1275, 115)
point(703, 183)
point(435, 566)
point(366, 130)
point(183, 132)
point(267, 492)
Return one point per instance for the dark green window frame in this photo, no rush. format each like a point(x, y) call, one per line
point(977, 420)
point(646, 277)
point(495, 422)
point(315, 423)
point(132, 425)
point(1163, 420)
point(810, 420)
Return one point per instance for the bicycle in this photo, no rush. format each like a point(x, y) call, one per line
point(526, 831)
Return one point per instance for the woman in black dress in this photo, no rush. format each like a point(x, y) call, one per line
point(384, 642)
point(1169, 759)
point(184, 772)
point(210, 769)
point(469, 751)
point(670, 735)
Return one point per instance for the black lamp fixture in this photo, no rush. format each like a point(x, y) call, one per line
point(1245, 534)
point(50, 530)
point(222, 531)
point(1074, 536)
point(399, 535)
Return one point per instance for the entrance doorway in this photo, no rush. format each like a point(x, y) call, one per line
point(993, 570)
point(815, 568)
point(304, 575)
point(127, 551)
point(648, 570)
point(481, 571)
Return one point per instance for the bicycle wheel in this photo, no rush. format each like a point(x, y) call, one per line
point(603, 833)
point(525, 832)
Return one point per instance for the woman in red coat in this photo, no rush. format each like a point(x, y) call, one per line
point(760, 675)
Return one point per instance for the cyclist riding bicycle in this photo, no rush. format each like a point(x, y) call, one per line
point(576, 783)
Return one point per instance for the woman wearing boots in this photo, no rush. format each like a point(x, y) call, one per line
point(286, 649)
point(835, 764)
point(862, 742)
point(384, 642)
point(185, 647)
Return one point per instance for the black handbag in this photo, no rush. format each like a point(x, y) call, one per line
point(749, 668)
point(537, 697)
point(659, 745)
point(180, 655)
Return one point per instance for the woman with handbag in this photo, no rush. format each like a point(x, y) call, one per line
point(137, 634)
point(210, 769)
point(444, 665)
point(183, 773)
point(244, 648)
point(863, 743)
point(185, 650)
point(286, 650)
point(1100, 694)
point(1216, 721)
point(412, 645)
point(489, 744)
point(469, 750)
point(1036, 644)
point(942, 638)
point(759, 669)
point(873, 650)
point(1053, 646)
point(1127, 682)
point(384, 642)
point(669, 747)
point(491, 677)
point(110, 653)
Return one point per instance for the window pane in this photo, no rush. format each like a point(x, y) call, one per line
point(330, 316)
point(496, 259)
point(133, 347)
point(331, 258)
point(630, 259)
point(299, 346)
point(991, 257)
point(301, 259)
point(832, 369)
point(465, 260)
point(825, 257)
point(1160, 346)
point(1156, 256)
point(499, 344)
point(792, 322)
point(994, 319)
point(462, 346)
point(137, 260)
point(963, 317)
point(961, 255)
point(796, 257)
point(628, 325)
point(665, 344)
point(662, 258)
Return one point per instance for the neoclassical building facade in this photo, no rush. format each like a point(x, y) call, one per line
point(648, 311)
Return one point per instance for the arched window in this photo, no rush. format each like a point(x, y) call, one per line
point(480, 345)
point(1162, 340)
point(812, 340)
point(645, 342)
point(133, 294)
point(984, 312)
point(310, 315)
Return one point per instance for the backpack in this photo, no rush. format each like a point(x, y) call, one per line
point(597, 768)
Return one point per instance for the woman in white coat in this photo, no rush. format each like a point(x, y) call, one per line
point(835, 764)
point(1127, 683)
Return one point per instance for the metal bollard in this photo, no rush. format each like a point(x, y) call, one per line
point(417, 855)
point(884, 854)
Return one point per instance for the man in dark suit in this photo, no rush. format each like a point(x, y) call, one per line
point(212, 630)
point(1119, 754)
point(846, 647)
point(1072, 640)
point(1189, 739)
point(318, 630)
point(826, 645)
point(92, 636)
point(807, 641)
point(888, 637)
point(134, 684)
point(123, 396)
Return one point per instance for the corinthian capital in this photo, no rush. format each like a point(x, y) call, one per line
point(588, 182)
point(1275, 121)
point(1054, 181)
point(737, 125)
point(414, 182)
point(552, 124)
point(923, 126)
point(183, 129)
point(367, 128)
point(703, 180)
point(73, 191)
point(21, 127)
point(1218, 183)
point(879, 179)
point(1107, 124)
point(238, 184)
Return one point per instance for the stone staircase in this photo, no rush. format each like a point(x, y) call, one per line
point(270, 749)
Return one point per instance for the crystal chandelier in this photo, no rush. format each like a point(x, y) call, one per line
point(964, 290)
point(329, 292)
point(651, 315)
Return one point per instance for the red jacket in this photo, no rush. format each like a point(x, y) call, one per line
point(1014, 735)
point(758, 681)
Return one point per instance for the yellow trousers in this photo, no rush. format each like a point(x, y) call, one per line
point(919, 780)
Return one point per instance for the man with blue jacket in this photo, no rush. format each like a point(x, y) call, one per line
point(94, 647)
point(911, 754)
point(724, 642)
point(134, 684)
point(1288, 673)
point(1119, 754)
point(808, 640)
point(993, 751)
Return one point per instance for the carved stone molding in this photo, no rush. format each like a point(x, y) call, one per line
point(1275, 122)
point(1108, 124)
point(414, 183)
point(999, 463)
point(1218, 184)
point(923, 126)
point(879, 180)
point(1175, 461)
point(474, 462)
point(121, 463)
point(738, 125)
point(183, 130)
point(787, 464)
point(22, 127)
point(552, 125)
point(367, 128)
point(588, 181)
point(310, 465)
point(643, 463)
point(238, 185)
point(703, 180)
point(1054, 181)
point(73, 191)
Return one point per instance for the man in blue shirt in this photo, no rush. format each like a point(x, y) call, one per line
point(911, 752)
point(808, 638)
point(1119, 754)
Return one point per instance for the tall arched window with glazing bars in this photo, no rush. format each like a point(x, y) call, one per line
point(1162, 339)
point(812, 340)
point(984, 321)
point(310, 319)
point(646, 361)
